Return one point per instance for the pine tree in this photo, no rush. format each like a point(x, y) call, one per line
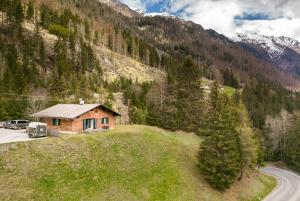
point(169, 113)
point(292, 150)
point(30, 10)
point(42, 53)
point(3, 8)
point(249, 141)
point(19, 15)
point(87, 30)
point(189, 95)
point(219, 155)
point(96, 37)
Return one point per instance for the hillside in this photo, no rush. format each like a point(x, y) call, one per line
point(282, 52)
point(209, 48)
point(113, 64)
point(150, 68)
point(128, 163)
point(60, 51)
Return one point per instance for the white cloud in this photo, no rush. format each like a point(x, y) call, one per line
point(220, 15)
point(277, 27)
point(136, 4)
point(215, 15)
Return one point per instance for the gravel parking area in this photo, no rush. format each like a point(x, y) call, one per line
point(8, 135)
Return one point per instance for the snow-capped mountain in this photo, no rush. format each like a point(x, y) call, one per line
point(160, 14)
point(121, 8)
point(288, 42)
point(138, 11)
point(282, 51)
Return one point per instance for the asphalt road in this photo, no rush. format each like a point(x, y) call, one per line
point(8, 135)
point(288, 188)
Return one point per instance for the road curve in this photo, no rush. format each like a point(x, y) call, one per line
point(288, 188)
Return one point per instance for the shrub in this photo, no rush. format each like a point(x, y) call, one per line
point(58, 30)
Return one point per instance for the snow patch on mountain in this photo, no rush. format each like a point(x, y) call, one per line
point(160, 14)
point(288, 42)
point(139, 11)
point(275, 46)
point(274, 49)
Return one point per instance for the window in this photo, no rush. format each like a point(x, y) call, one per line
point(56, 122)
point(89, 124)
point(105, 120)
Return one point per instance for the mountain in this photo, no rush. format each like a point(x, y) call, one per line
point(65, 50)
point(122, 8)
point(179, 37)
point(171, 35)
point(282, 52)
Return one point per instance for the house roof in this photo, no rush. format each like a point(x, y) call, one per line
point(69, 111)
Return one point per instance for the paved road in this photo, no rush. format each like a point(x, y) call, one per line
point(288, 188)
point(8, 135)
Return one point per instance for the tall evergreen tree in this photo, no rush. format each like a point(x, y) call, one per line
point(292, 150)
point(42, 53)
point(19, 15)
point(30, 10)
point(189, 95)
point(219, 154)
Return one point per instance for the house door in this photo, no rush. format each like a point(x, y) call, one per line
point(89, 124)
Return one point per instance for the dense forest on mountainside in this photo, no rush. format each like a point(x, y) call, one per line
point(71, 63)
point(51, 48)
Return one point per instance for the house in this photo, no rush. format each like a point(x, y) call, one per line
point(76, 118)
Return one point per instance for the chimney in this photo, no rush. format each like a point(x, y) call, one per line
point(81, 101)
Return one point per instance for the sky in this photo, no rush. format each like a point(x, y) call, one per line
point(265, 17)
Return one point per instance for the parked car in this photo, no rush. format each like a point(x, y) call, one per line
point(2, 124)
point(18, 124)
point(6, 124)
point(37, 129)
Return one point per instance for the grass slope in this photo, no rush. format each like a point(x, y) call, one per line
point(128, 163)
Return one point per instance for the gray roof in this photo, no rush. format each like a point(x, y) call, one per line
point(68, 111)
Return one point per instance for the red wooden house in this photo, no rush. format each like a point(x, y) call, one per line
point(77, 117)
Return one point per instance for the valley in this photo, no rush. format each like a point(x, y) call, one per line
point(200, 113)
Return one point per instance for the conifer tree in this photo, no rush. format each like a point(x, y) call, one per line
point(249, 139)
point(42, 53)
point(219, 155)
point(87, 30)
point(169, 115)
point(189, 95)
point(30, 10)
point(19, 15)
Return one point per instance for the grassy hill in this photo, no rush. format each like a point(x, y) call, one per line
point(128, 163)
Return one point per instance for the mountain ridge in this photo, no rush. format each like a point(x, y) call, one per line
point(282, 52)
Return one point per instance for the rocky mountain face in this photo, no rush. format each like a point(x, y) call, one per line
point(282, 52)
